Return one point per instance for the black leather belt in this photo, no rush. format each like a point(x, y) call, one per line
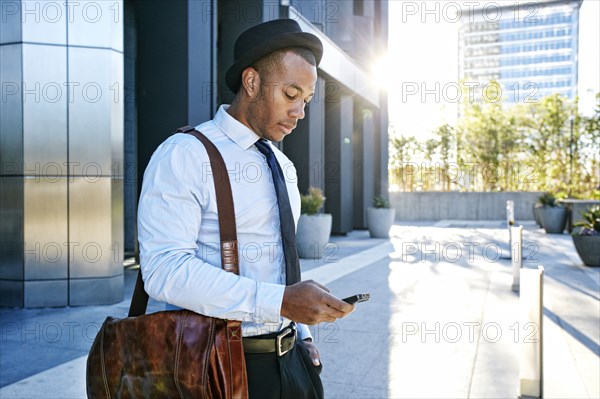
point(282, 343)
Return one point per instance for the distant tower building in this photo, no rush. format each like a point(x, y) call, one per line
point(530, 49)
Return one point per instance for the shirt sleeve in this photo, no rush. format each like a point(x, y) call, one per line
point(303, 331)
point(169, 217)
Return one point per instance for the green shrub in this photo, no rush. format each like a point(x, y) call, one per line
point(590, 225)
point(311, 203)
point(380, 202)
point(547, 200)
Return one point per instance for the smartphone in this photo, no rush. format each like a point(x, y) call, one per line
point(357, 298)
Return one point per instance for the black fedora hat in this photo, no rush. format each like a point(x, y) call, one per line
point(262, 39)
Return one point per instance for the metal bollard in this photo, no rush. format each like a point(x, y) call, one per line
point(510, 213)
point(510, 221)
point(531, 373)
point(516, 234)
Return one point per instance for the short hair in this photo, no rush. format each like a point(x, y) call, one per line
point(267, 64)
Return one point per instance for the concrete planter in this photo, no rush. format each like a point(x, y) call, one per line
point(312, 235)
point(380, 221)
point(553, 219)
point(536, 214)
point(588, 248)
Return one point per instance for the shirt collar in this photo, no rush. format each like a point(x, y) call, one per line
point(234, 129)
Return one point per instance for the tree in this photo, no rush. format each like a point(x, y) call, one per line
point(445, 142)
point(489, 141)
point(402, 161)
point(549, 141)
point(543, 146)
point(589, 143)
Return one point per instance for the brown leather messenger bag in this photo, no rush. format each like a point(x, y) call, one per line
point(175, 353)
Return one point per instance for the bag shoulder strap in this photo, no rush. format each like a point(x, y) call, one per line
point(225, 210)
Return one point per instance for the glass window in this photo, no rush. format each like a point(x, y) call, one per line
point(359, 7)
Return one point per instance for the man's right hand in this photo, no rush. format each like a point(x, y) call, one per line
point(309, 302)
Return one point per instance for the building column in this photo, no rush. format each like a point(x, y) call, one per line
point(364, 163)
point(339, 127)
point(176, 70)
point(305, 146)
point(61, 153)
point(381, 150)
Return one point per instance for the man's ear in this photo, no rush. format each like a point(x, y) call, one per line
point(250, 82)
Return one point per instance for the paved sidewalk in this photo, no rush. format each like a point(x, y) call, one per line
point(442, 322)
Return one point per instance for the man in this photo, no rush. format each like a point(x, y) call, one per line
point(274, 76)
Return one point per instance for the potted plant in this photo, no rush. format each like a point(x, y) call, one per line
point(551, 214)
point(536, 213)
point(314, 228)
point(586, 236)
point(380, 217)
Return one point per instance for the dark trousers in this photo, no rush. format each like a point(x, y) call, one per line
point(281, 377)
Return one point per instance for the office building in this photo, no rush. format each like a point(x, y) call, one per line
point(91, 88)
point(530, 48)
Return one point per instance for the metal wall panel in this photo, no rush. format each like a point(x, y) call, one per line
point(44, 22)
point(11, 293)
point(96, 24)
point(45, 228)
point(10, 26)
point(11, 109)
point(90, 228)
point(44, 110)
point(117, 113)
point(90, 121)
point(46, 293)
point(11, 228)
point(117, 232)
point(59, 221)
point(96, 291)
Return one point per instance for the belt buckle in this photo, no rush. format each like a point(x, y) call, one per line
point(281, 336)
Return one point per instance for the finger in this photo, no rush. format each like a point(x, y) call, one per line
point(319, 285)
point(327, 318)
point(314, 355)
point(333, 312)
point(340, 305)
point(346, 314)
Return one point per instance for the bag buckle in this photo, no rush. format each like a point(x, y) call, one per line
point(284, 347)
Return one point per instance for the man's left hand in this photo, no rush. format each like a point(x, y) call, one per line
point(313, 352)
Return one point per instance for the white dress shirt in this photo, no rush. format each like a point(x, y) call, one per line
point(178, 228)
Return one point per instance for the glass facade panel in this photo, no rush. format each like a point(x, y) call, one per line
point(540, 48)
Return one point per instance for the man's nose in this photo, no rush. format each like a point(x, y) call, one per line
point(298, 110)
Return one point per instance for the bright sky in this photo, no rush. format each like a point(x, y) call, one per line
point(423, 54)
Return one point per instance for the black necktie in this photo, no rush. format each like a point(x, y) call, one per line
point(286, 219)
